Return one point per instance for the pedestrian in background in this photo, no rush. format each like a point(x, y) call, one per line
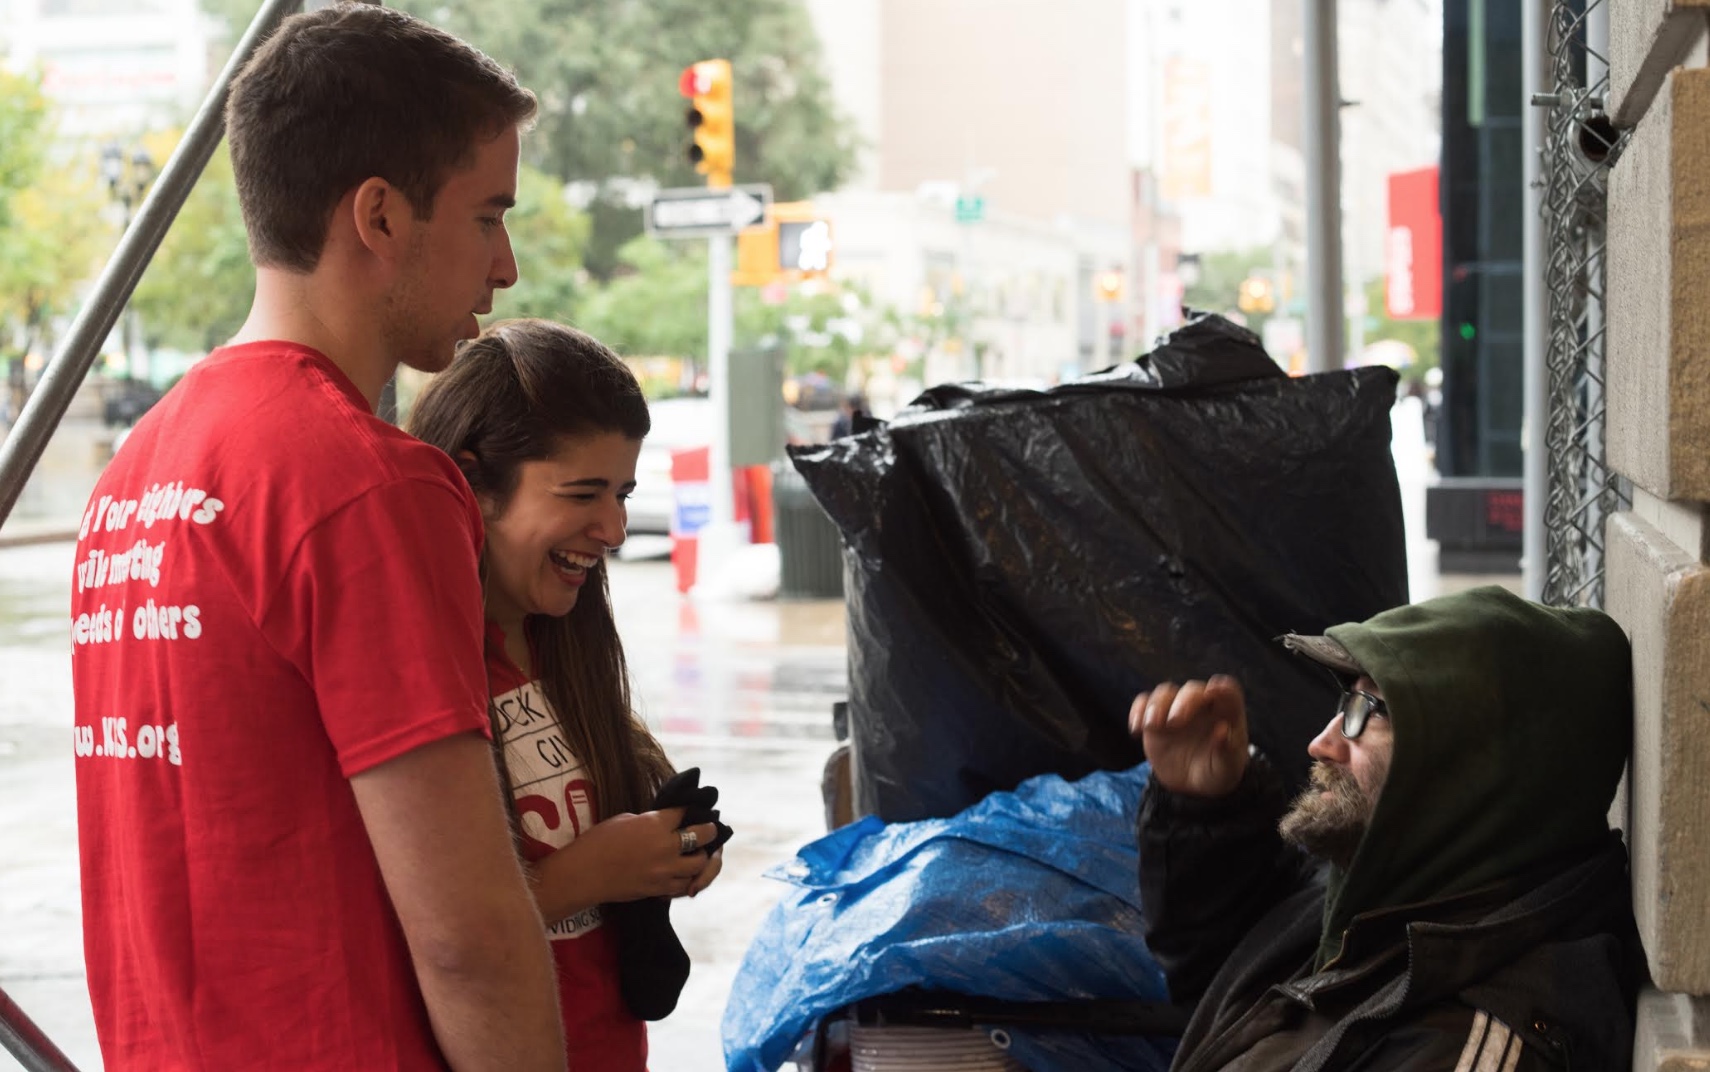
point(851, 409)
point(293, 850)
point(546, 424)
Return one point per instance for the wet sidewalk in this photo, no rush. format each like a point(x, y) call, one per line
point(743, 691)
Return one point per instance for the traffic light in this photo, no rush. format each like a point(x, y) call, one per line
point(1256, 295)
point(712, 122)
point(804, 246)
point(1107, 286)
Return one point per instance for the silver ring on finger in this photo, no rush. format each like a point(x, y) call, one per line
point(688, 841)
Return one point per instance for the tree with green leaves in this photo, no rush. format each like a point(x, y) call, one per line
point(656, 304)
point(1425, 337)
point(606, 72)
point(23, 121)
point(52, 231)
point(549, 236)
point(824, 328)
point(197, 290)
point(1218, 288)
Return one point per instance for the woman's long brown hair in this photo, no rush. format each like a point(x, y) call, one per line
point(514, 395)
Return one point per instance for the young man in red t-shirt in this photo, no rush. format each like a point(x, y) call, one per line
point(295, 854)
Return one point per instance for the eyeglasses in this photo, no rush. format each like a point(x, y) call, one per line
point(1356, 707)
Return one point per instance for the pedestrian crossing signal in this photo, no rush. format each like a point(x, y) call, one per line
point(794, 243)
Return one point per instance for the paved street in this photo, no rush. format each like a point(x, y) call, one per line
point(744, 691)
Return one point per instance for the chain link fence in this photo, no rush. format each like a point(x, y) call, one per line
point(1580, 144)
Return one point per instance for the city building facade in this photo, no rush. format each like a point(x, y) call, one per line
point(996, 180)
point(112, 68)
point(1222, 92)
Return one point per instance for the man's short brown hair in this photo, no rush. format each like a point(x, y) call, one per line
point(348, 93)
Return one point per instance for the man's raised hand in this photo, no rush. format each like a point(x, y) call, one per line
point(1194, 735)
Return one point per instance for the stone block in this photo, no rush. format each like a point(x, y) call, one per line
point(1681, 523)
point(1673, 1034)
point(1647, 39)
point(1660, 593)
point(1658, 273)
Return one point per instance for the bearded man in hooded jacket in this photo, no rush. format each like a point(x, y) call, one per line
point(1446, 894)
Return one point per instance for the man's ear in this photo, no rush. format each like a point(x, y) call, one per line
point(381, 214)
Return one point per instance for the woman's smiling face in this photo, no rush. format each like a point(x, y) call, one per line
point(566, 513)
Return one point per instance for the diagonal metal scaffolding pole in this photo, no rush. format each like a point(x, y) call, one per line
point(21, 1038)
point(65, 372)
point(1323, 136)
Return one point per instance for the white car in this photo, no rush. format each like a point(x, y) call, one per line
point(678, 423)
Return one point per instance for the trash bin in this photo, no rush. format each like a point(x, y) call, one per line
point(810, 549)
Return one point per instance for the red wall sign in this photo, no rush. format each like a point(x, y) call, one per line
point(1414, 254)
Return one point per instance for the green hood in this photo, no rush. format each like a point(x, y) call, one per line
point(1512, 723)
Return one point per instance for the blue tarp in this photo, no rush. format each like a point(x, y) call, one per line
point(1025, 896)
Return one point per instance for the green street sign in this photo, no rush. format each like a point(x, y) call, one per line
point(970, 209)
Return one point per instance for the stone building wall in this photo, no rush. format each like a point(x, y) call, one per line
point(1658, 587)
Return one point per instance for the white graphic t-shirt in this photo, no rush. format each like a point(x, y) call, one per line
point(554, 798)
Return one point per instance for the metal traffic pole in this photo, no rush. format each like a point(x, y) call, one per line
point(1323, 135)
point(719, 539)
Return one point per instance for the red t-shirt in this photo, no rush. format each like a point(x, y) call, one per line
point(275, 591)
point(555, 802)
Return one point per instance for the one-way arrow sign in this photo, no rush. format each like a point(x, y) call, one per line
point(695, 210)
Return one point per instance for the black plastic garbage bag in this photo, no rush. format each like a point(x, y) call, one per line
point(1020, 564)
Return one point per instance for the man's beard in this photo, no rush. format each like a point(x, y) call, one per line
point(1329, 825)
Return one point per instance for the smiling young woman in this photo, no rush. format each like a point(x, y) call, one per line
point(546, 424)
